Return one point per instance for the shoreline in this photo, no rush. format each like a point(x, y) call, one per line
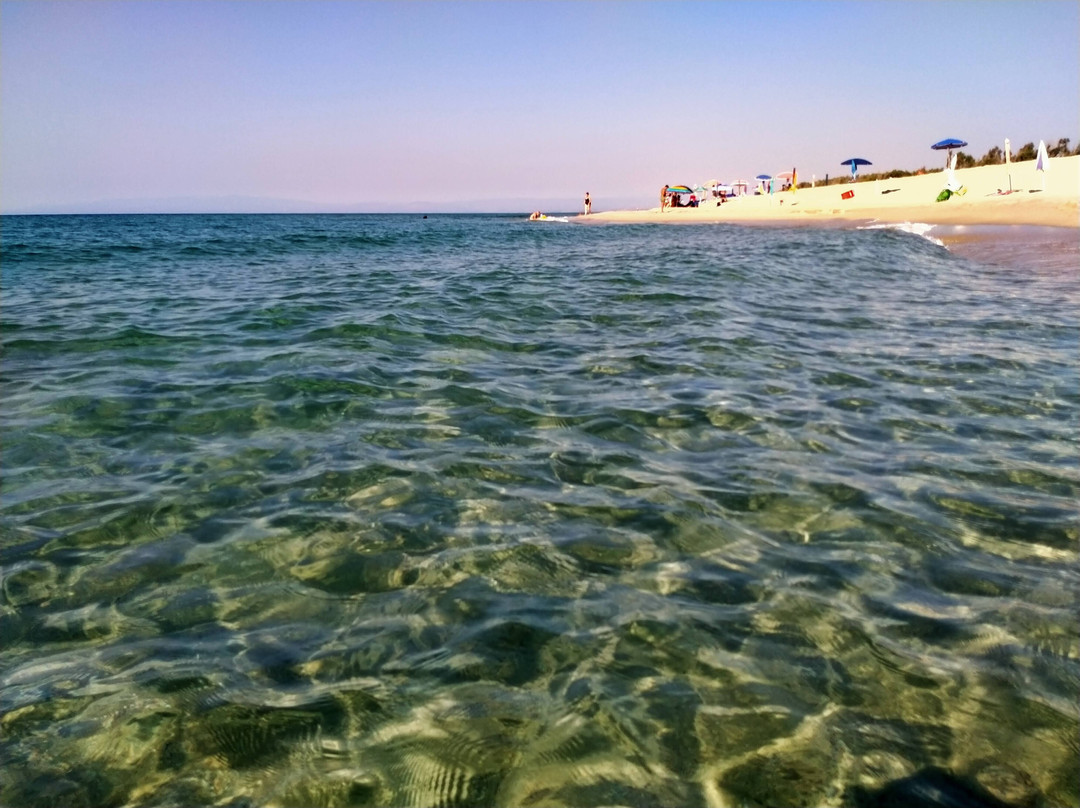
point(1048, 199)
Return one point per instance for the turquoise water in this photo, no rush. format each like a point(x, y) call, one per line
point(466, 510)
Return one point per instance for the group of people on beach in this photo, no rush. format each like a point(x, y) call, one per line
point(671, 199)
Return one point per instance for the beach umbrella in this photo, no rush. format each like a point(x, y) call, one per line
point(855, 162)
point(949, 144)
point(678, 190)
point(1042, 162)
point(950, 175)
point(1042, 157)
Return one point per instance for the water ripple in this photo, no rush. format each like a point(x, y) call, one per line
point(457, 511)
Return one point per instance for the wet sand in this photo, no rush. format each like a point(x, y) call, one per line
point(1045, 249)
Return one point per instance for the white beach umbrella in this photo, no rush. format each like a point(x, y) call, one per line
point(950, 175)
point(1042, 162)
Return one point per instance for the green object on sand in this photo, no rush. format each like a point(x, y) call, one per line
point(944, 195)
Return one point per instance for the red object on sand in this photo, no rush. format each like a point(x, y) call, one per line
point(847, 195)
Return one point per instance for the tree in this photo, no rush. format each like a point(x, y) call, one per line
point(964, 160)
point(1060, 150)
point(1025, 152)
point(992, 157)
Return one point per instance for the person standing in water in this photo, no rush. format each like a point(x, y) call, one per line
point(588, 204)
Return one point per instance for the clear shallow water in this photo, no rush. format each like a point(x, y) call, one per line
point(359, 510)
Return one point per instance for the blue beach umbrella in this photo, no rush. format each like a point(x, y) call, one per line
point(855, 162)
point(949, 144)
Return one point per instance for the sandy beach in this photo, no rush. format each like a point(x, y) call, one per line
point(1049, 198)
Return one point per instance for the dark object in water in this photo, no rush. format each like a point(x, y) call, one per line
point(929, 788)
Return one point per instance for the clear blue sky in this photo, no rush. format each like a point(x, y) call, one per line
point(154, 105)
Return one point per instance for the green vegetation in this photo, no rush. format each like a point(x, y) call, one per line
point(994, 156)
point(1025, 152)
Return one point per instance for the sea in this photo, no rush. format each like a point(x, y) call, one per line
point(467, 510)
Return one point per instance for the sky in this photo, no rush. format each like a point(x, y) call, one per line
point(144, 106)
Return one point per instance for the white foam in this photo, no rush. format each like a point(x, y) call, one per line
point(921, 229)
